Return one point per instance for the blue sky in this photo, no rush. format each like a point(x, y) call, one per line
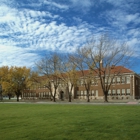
point(31, 28)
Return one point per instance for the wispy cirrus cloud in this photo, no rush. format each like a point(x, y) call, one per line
point(122, 19)
point(54, 4)
point(15, 56)
point(83, 5)
point(28, 28)
point(24, 31)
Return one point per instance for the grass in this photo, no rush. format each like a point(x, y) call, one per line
point(69, 122)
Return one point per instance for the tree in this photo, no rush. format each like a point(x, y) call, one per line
point(18, 79)
point(1, 92)
point(50, 66)
point(69, 76)
point(81, 63)
point(3, 75)
point(7, 89)
point(13, 80)
point(102, 56)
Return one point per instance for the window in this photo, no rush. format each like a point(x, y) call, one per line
point(118, 91)
point(114, 80)
point(82, 82)
point(85, 93)
point(113, 91)
point(92, 93)
point(81, 93)
point(92, 82)
point(128, 91)
point(97, 93)
point(123, 91)
point(127, 79)
point(42, 94)
point(109, 80)
point(109, 92)
point(118, 79)
point(39, 94)
point(123, 79)
point(78, 93)
point(105, 80)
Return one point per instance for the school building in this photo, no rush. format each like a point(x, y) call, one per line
point(126, 85)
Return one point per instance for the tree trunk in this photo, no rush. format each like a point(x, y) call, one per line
point(1, 97)
point(17, 98)
point(54, 99)
point(69, 98)
point(88, 100)
point(105, 95)
point(9, 97)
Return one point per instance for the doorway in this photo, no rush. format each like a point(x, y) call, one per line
point(61, 95)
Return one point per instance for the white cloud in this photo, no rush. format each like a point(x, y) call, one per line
point(121, 19)
point(55, 36)
point(23, 31)
point(11, 56)
point(36, 13)
point(134, 33)
point(123, 4)
point(82, 5)
point(26, 32)
point(53, 4)
point(133, 41)
point(7, 14)
point(132, 18)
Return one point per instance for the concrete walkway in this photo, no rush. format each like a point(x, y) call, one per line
point(132, 102)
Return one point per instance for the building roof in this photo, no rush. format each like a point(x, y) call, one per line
point(111, 70)
point(122, 69)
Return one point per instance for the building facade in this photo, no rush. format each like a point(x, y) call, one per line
point(126, 85)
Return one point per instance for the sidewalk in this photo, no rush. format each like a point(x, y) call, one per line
point(77, 102)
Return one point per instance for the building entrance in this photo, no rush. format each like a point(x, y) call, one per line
point(61, 95)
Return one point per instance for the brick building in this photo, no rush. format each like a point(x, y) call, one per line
point(126, 85)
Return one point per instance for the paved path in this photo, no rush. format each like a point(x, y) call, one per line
point(133, 103)
point(76, 103)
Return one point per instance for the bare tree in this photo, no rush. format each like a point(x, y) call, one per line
point(69, 76)
point(81, 63)
point(102, 56)
point(50, 66)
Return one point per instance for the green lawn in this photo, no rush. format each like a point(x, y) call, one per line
point(69, 122)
